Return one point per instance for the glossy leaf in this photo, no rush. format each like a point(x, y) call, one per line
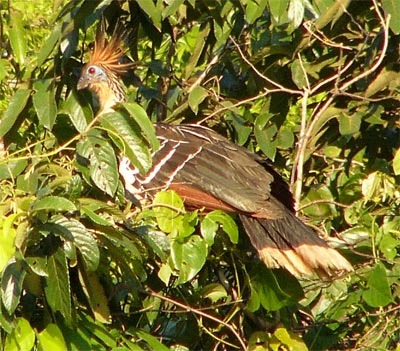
point(18, 38)
point(168, 209)
point(96, 296)
point(16, 106)
point(378, 292)
point(11, 169)
point(83, 239)
point(102, 163)
point(153, 10)
point(79, 115)
point(215, 219)
point(189, 257)
point(11, 284)
point(391, 7)
point(127, 135)
point(44, 102)
point(51, 338)
point(396, 162)
point(53, 203)
point(196, 97)
point(142, 119)
point(57, 287)
point(22, 337)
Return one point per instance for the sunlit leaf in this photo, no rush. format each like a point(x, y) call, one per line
point(51, 338)
point(96, 296)
point(196, 97)
point(15, 107)
point(53, 203)
point(142, 119)
point(22, 337)
point(127, 135)
point(189, 257)
point(83, 240)
point(79, 115)
point(44, 102)
point(378, 293)
point(11, 284)
point(396, 162)
point(213, 220)
point(168, 207)
point(102, 163)
point(18, 37)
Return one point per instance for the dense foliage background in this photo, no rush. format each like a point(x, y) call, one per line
point(311, 85)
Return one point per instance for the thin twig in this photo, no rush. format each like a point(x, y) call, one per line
point(201, 313)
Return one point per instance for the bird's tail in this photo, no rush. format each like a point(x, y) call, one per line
point(288, 243)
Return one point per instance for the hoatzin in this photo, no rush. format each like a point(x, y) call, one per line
point(210, 172)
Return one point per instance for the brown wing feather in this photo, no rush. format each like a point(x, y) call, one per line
point(210, 172)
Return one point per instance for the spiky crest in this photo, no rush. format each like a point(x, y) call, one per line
point(108, 53)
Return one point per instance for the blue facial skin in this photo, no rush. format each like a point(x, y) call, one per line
point(93, 74)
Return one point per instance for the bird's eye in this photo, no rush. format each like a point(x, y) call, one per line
point(91, 70)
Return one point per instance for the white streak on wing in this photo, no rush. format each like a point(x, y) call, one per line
point(176, 171)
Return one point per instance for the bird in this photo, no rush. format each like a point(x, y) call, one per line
point(209, 172)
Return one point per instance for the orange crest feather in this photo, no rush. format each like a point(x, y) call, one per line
point(108, 54)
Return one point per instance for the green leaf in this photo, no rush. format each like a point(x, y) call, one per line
point(152, 10)
point(12, 168)
point(273, 290)
point(142, 119)
point(396, 162)
point(58, 288)
point(2, 69)
point(16, 106)
point(11, 284)
point(254, 10)
point(349, 124)
point(213, 220)
point(49, 45)
point(196, 97)
point(79, 115)
point(285, 139)
point(290, 340)
point(317, 207)
point(96, 296)
point(21, 338)
point(18, 37)
point(51, 338)
point(53, 203)
point(214, 292)
point(189, 257)
point(101, 159)
point(7, 236)
point(127, 135)
point(171, 7)
point(168, 207)
point(44, 102)
point(278, 10)
point(378, 293)
point(388, 246)
point(392, 7)
point(371, 186)
point(296, 12)
point(265, 135)
point(83, 240)
point(152, 341)
point(197, 39)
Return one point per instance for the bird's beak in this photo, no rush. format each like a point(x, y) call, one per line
point(82, 83)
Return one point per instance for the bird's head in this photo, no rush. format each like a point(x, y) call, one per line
point(101, 73)
point(92, 75)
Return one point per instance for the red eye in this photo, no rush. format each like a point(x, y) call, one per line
point(91, 70)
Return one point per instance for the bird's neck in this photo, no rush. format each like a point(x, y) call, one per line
point(106, 97)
